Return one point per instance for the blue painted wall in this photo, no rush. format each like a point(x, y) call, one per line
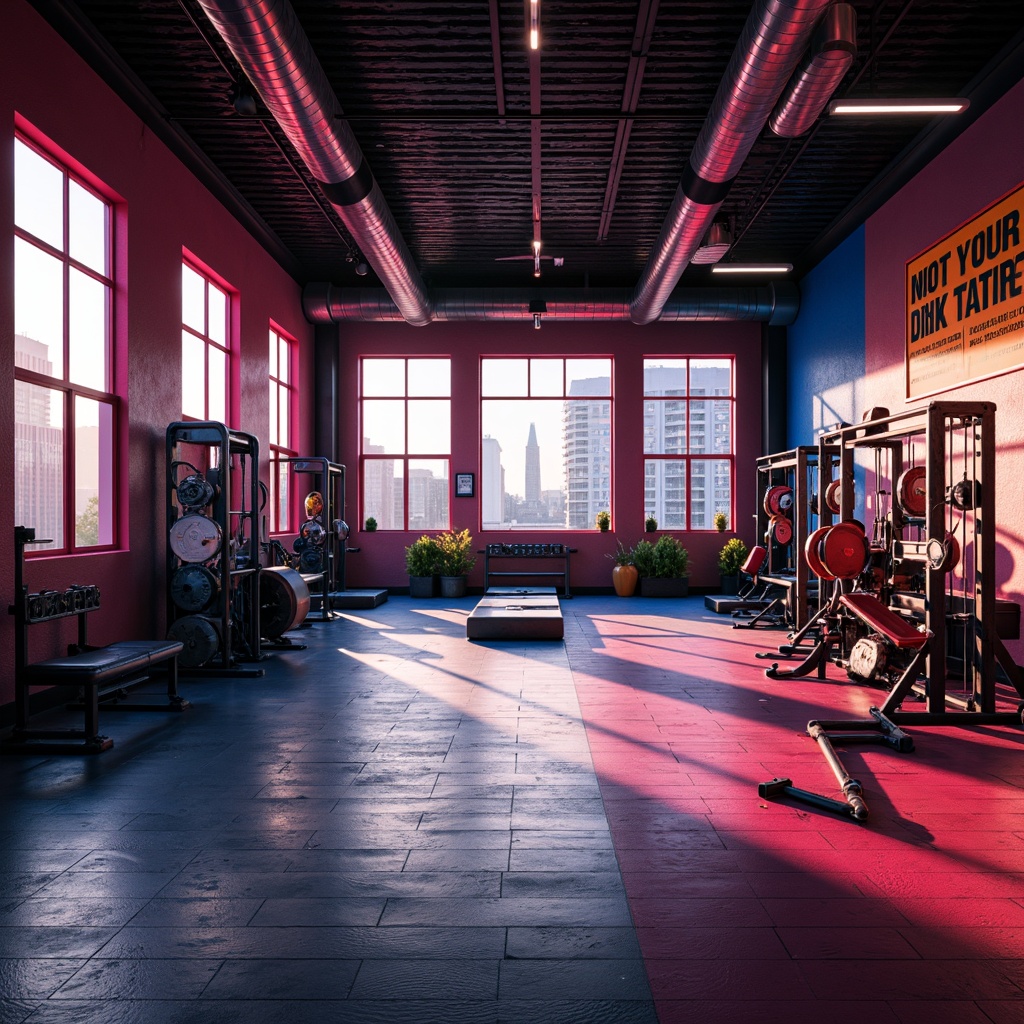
point(826, 345)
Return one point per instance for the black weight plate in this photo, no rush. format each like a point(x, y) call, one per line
point(199, 637)
point(193, 588)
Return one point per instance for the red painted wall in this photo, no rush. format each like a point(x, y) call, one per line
point(381, 560)
point(167, 208)
point(986, 162)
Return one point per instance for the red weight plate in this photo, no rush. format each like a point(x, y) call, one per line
point(778, 499)
point(812, 556)
point(911, 492)
point(832, 496)
point(845, 550)
point(781, 529)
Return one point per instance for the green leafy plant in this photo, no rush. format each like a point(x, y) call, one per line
point(370, 524)
point(671, 559)
point(455, 553)
point(650, 524)
point(721, 521)
point(643, 557)
point(732, 556)
point(622, 555)
point(422, 557)
point(604, 521)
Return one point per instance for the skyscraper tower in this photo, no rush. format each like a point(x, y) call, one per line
point(532, 493)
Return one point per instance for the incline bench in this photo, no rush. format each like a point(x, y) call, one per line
point(96, 670)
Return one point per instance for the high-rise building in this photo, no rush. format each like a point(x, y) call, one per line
point(532, 488)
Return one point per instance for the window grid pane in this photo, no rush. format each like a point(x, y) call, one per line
point(64, 439)
point(406, 413)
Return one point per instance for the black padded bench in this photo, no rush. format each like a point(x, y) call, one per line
point(98, 672)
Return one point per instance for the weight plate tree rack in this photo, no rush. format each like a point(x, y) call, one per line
point(955, 439)
point(327, 585)
point(798, 471)
point(213, 598)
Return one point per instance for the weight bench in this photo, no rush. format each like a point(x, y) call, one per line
point(101, 673)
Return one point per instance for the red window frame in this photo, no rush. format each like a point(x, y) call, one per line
point(283, 348)
point(206, 335)
point(70, 392)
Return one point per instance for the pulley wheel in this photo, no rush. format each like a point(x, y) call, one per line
point(912, 491)
point(194, 492)
point(195, 538)
point(313, 533)
point(284, 600)
point(845, 550)
point(193, 588)
point(341, 530)
point(200, 639)
point(314, 504)
point(778, 499)
point(965, 494)
point(832, 496)
point(781, 529)
point(813, 557)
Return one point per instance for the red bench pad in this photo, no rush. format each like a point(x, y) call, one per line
point(893, 627)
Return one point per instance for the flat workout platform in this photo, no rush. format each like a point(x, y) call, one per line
point(516, 613)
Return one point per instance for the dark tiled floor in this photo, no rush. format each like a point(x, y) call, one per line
point(397, 825)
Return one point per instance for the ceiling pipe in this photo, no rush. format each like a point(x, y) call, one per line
point(775, 35)
point(833, 47)
point(774, 303)
point(274, 52)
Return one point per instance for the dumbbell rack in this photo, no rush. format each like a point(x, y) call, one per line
point(230, 463)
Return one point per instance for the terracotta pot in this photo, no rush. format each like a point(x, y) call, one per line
point(624, 579)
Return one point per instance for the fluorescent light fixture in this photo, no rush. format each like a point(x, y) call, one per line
point(867, 106)
point(534, 24)
point(751, 268)
point(536, 257)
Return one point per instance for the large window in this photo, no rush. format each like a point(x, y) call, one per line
point(546, 456)
point(205, 346)
point(407, 437)
point(65, 409)
point(282, 406)
point(689, 451)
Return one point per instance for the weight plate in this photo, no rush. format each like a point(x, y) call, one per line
point(193, 588)
point(284, 600)
point(314, 504)
point(194, 492)
point(781, 529)
point(832, 496)
point(811, 553)
point(943, 556)
point(311, 560)
point(200, 639)
point(778, 499)
point(845, 550)
point(912, 492)
point(195, 538)
point(313, 533)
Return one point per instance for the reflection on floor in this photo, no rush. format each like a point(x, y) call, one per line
point(399, 825)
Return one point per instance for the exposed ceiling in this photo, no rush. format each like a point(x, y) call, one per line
point(438, 95)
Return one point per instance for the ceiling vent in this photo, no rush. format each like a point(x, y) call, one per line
point(716, 244)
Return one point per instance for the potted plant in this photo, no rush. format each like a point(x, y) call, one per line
point(455, 560)
point(421, 558)
point(664, 568)
point(650, 524)
point(721, 521)
point(604, 521)
point(624, 575)
point(730, 559)
point(370, 525)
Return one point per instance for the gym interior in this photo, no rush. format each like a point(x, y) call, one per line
point(405, 634)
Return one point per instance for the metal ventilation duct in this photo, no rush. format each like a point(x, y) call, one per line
point(833, 48)
point(776, 304)
point(269, 44)
point(775, 35)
